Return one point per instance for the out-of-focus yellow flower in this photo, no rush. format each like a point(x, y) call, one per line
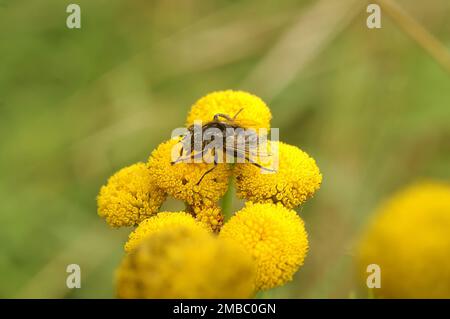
point(210, 216)
point(163, 220)
point(130, 196)
point(182, 262)
point(255, 113)
point(180, 180)
point(295, 180)
point(409, 238)
point(274, 236)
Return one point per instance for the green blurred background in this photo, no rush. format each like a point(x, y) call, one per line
point(371, 106)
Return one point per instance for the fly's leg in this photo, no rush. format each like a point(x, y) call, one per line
point(220, 115)
point(179, 159)
point(210, 170)
point(192, 157)
point(260, 166)
point(235, 115)
point(226, 116)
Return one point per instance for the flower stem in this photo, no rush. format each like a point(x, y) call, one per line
point(227, 201)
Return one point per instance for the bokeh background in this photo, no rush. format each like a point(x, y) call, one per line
point(371, 106)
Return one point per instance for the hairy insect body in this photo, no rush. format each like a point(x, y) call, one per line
point(221, 141)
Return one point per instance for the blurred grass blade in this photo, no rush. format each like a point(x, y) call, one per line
point(313, 31)
point(417, 32)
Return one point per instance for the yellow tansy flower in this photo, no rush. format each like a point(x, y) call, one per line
point(182, 262)
point(191, 253)
point(181, 180)
point(409, 238)
point(254, 113)
point(160, 222)
point(210, 216)
point(129, 197)
point(296, 179)
point(274, 236)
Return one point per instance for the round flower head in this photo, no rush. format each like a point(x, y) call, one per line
point(163, 220)
point(130, 196)
point(182, 262)
point(295, 177)
point(274, 236)
point(253, 112)
point(210, 216)
point(409, 239)
point(187, 181)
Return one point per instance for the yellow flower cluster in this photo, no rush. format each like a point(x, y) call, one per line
point(195, 253)
point(409, 239)
point(129, 197)
point(296, 178)
point(276, 238)
point(185, 262)
point(180, 180)
point(253, 112)
point(164, 220)
point(211, 216)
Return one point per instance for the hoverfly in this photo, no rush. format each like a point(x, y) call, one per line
point(221, 138)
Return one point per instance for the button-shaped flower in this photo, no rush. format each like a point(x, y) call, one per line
point(210, 216)
point(130, 196)
point(164, 220)
point(409, 238)
point(296, 177)
point(253, 112)
point(274, 236)
point(183, 262)
point(184, 181)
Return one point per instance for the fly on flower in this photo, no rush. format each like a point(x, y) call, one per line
point(222, 140)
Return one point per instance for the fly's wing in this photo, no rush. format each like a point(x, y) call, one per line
point(209, 153)
point(185, 150)
point(249, 142)
point(192, 144)
point(244, 157)
point(244, 153)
